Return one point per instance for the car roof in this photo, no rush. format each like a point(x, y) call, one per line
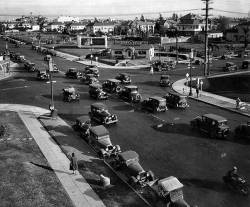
point(131, 86)
point(89, 74)
point(114, 80)
point(99, 105)
point(157, 98)
point(99, 130)
point(231, 63)
point(128, 155)
point(72, 68)
point(83, 119)
point(246, 61)
point(216, 117)
point(170, 183)
point(95, 85)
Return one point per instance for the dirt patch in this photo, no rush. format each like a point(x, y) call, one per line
point(23, 183)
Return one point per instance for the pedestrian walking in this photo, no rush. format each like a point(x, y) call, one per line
point(197, 90)
point(73, 163)
point(238, 103)
point(151, 70)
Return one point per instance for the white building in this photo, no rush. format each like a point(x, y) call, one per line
point(55, 26)
point(105, 27)
point(67, 19)
point(77, 26)
point(35, 27)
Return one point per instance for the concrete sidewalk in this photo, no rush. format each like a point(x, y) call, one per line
point(210, 98)
point(76, 186)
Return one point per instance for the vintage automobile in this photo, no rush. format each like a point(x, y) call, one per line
point(96, 92)
point(82, 125)
point(154, 104)
point(128, 164)
point(31, 67)
point(112, 85)
point(70, 94)
point(242, 131)
point(168, 191)
point(89, 79)
point(124, 78)
point(245, 64)
point(42, 75)
point(55, 69)
point(159, 65)
point(73, 73)
point(175, 100)
point(215, 126)
point(230, 66)
point(100, 113)
point(92, 70)
point(99, 138)
point(130, 93)
point(47, 57)
point(165, 81)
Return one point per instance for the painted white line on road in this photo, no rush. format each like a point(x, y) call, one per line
point(5, 89)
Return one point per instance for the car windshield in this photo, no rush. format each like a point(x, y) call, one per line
point(182, 99)
point(133, 90)
point(222, 123)
point(162, 102)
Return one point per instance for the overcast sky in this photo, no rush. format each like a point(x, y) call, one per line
point(113, 7)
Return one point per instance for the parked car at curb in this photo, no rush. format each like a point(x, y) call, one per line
point(82, 125)
point(112, 85)
point(128, 164)
point(42, 75)
point(176, 100)
point(70, 94)
point(124, 78)
point(99, 138)
point(242, 131)
point(245, 64)
point(154, 104)
point(230, 66)
point(130, 93)
point(165, 81)
point(73, 73)
point(96, 92)
point(169, 191)
point(89, 79)
point(213, 125)
point(99, 113)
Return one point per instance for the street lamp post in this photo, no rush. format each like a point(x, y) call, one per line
point(176, 44)
point(190, 72)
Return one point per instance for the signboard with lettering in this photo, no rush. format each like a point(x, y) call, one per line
point(130, 42)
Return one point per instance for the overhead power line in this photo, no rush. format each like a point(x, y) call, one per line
point(233, 12)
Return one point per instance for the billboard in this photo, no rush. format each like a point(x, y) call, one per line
point(95, 42)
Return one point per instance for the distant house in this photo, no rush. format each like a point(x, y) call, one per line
point(169, 24)
point(67, 19)
point(35, 27)
point(26, 25)
point(59, 26)
point(104, 27)
point(145, 27)
point(77, 26)
point(11, 25)
point(191, 24)
point(212, 35)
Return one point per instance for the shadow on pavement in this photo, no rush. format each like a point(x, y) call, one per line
point(208, 184)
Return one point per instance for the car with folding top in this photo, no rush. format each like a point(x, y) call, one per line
point(124, 78)
point(127, 163)
point(168, 192)
point(89, 79)
point(99, 113)
point(99, 138)
point(154, 104)
point(70, 94)
point(92, 70)
point(112, 85)
point(96, 92)
point(82, 125)
point(176, 100)
point(214, 125)
point(73, 73)
point(130, 93)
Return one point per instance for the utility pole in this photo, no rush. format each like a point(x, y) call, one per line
point(207, 2)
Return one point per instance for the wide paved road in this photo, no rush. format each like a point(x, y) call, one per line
point(173, 149)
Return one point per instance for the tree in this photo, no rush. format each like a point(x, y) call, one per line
point(142, 18)
point(223, 23)
point(174, 17)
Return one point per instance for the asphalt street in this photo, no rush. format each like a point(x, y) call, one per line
point(165, 142)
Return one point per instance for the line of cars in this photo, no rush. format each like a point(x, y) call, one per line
point(231, 66)
point(126, 164)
